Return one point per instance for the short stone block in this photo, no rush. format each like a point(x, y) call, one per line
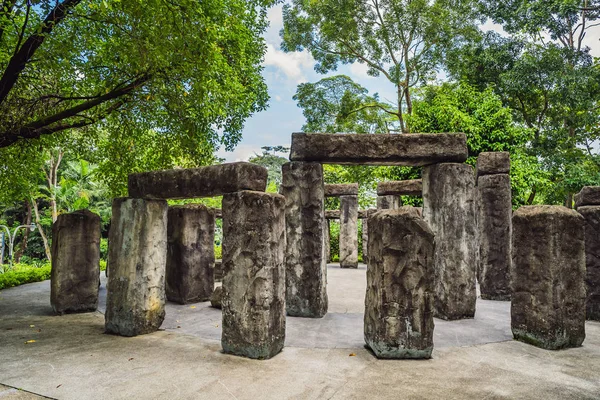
point(493, 162)
point(588, 196)
point(548, 272)
point(389, 202)
point(341, 189)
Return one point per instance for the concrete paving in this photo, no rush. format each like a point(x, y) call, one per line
point(71, 357)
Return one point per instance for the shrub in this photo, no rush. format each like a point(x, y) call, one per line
point(23, 273)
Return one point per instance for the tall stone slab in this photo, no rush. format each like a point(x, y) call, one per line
point(592, 260)
point(399, 301)
point(306, 248)
point(365, 240)
point(349, 231)
point(253, 300)
point(327, 240)
point(450, 209)
point(389, 202)
point(190, 253)
point(75, 275)
point(548, 272)
point(135, 301)
point(495, 222)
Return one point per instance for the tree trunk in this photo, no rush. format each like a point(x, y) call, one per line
point(41, 230)
point(23, 246)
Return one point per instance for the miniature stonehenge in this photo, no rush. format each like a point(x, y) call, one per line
point(421, 263)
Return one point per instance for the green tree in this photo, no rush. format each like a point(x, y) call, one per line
point(272, 162)
point(401, 40)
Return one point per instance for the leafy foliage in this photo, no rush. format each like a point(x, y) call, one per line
point(23, 273)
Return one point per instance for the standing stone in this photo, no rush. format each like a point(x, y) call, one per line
point(254, 274)
point(450, 209)
point(548, 301)
point(588, 196)
point(218, 271)
point(327, 240)
point(216, 297)
point(389, 202)
point(135, 301)
point(75, 275)
point(399, 301)
point(495, 221)
point(349, 231)
point(190, 253)
point(306, 252)
point(592, 260)
point(365, 240)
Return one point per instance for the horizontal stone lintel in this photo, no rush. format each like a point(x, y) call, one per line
point(493, 162)
point(413, 187)
point(416, 149)
point(341, 189)
point(362, 214)
point(210, 181)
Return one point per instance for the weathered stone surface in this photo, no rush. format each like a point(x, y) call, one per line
point(135, 301)
point(393, 149)
point(365, 240)
point(413, 187)
point(190, 253)
point(332, 214)
point(341, 189)
point(592, 260)
point(493, 162)
point(495, 222)
point(349, 231)
point(218, 271)
point(218, 212)
point(254, 274)
point(214, 180)
point(363, 214)
point(399, 300)
point(305, 259)
point(327, 240)
point(588, 196)
point(548, 272)
point(75, 275)
point(450, 209)
point(389, 202)
point(216, 298)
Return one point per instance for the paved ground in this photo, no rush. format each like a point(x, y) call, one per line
point(71, 358)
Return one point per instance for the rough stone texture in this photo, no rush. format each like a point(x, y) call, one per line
point(190, 253)
point(218, 271)
point(135, 302)
point(214, 180)
point(495, 230)
point(349, 231)
point(588, 196)
point(365, 240)
point(493, 162)
point(399, 301)
point(450, 209)
point(306, 252)
point(413, 187)
point(341, 189)
point(216, 298)
point(389, 202)
point(218, 212)
point(332, 214)
point(327, 239)
point(75, 275)
point(254, 274)
point(548, 273)
point(406, 149)
point(592, 260)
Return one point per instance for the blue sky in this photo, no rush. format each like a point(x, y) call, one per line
point(284, 71)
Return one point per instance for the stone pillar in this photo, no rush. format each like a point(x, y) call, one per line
point(548, 272)
point(190, 253)
point(450, 209)
point(365, 239)
point(349, 231)
point(495, 225)
point(399, 301)
point(327, 240)
point(253, 300)
point(135, 301)
point(588, 204)
point(389, 202)
point(305, 259)
point(75, 275)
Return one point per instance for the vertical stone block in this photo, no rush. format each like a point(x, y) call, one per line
point(253, 300)
point(495, 222)
point(190, 253)
point(75, 275)
point(591, 214)
point(548, 272)
point(450, 209)
point(135, 302)
point(365, 240)
point(305, 260)
point(389, 202)
point(399, 299)
point(349, 231)
point(327, 240)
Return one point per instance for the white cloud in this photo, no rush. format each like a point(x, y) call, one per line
point(292, 65)
point(278, 98)
point(360, 71)
point(241, 153)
